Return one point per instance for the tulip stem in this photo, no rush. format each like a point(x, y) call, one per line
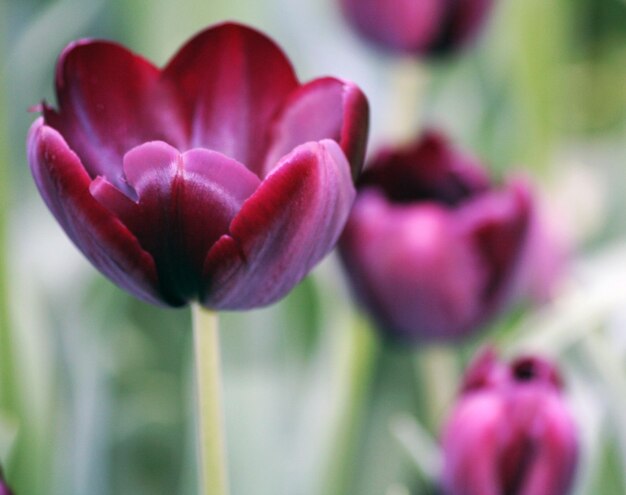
point(212, 458)
point(357, 351)
point(8, 389)
point(409, 81)
point(438, 368)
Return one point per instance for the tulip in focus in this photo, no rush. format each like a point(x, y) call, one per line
point(511, 432)
point(432, 248)
point(219, 178)
point(418, 27)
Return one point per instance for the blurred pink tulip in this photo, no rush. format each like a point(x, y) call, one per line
point(432, 248)
point(511, 431)
point(419, 27)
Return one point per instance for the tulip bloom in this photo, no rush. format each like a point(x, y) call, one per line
point(418, 27)
point(511, 432)
point(219, 178)
point(432, 249)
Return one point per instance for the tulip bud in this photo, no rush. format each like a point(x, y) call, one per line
point(419, 27)
point(511, 431)
point(432, 248)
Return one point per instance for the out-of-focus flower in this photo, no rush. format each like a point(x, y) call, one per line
point(511, 431)
point(432, 249)
point(4, 489)
point(420, 27)
point(547, 256)
point(219, 178)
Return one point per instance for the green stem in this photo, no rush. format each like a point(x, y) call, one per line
point(8, 393)
point(212, 458)
point(437, 367)
point(408, 83)
point(358, 356)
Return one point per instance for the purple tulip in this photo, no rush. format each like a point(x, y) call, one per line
point(219, 178)
point(511, 432)
point(432, 249)
point(420, 27)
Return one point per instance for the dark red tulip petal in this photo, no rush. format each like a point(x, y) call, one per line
point(498, 223)
point(185, 203)
point(283, 229)
point(103, 239)
point(231, 81)
point(466, 20)
point(323, 109)
point(429, 168)
point(110, 102)
point(175, 158)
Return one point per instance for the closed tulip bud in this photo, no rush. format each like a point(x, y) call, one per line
point(418, 27)
point(511, 431)
point(433, 249)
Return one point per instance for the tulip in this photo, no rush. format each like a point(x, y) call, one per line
point(511, 431)
point(432, 248)
point(418, 27)
point(219, 178)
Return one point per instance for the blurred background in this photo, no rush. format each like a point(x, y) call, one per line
point(97, 387)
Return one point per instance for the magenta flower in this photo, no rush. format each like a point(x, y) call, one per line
point(432, 249)
point(511, 432)
point(419, 27)
point(219, 178)
point(4, 489)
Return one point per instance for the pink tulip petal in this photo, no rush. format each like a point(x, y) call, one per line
point(325, 108)
point(413, 268)
point(555, 457)
point(109, 102)
point(103, 239)
point(398, 25)
point(185, 203)
point(231, 80)
point(283, 229)
point(471, 442)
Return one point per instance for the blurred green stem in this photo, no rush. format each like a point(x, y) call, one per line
point(409, 80)
point(358, 356)
point(437, 368)
point(7, 372)
point(212, 457)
